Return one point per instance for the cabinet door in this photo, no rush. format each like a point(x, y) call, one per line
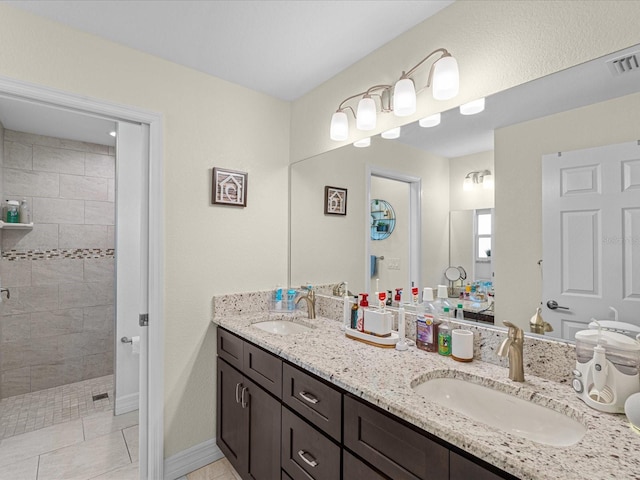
point(264, 434)
point(393, 448)
point(307, 453)
point(231, 419)
point(355, 469)
point(462, 469)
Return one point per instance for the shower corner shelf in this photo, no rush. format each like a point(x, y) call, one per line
point(15, 226)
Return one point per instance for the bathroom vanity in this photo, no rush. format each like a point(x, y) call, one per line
point(276, 420)
point(315, 404)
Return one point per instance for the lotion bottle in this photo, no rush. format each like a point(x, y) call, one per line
point(364, 303)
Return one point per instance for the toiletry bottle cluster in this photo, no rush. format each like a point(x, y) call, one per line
point(433, 330)
point(280, 302)
point(16, 211)
point(373, 320)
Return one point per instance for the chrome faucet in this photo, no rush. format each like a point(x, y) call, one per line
point(310, 298)
point(512, 349)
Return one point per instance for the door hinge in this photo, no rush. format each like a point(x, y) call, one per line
point(143, 320)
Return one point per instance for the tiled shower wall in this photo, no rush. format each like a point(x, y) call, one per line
point(58, 326)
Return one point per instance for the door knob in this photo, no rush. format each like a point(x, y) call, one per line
point(552, 304)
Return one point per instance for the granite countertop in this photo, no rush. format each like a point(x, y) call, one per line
point(383, 377)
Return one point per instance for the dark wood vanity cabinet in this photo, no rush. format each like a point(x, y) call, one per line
point(275, 420)
point(248, 419)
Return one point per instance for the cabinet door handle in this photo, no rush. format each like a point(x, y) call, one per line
point(244, 404)
point(238, 385)
point(308, 397)
point(311, 463)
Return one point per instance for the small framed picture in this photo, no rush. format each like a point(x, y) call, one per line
point(335, 200)
point(229, 187)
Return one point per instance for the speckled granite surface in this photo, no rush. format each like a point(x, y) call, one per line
point(609, 449)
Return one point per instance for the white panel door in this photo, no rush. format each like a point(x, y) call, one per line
point(591, 236)
point(132, 274)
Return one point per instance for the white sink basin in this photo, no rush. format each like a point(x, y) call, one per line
point(503, 411)
point(282, 327)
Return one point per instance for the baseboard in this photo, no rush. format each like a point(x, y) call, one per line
point(127, 403)
point(191, 459)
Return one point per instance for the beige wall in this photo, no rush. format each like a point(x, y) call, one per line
point(209, 249)
point(498, 44)
point(518, 162)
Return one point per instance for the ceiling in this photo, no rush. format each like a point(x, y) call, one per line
point(283, 48)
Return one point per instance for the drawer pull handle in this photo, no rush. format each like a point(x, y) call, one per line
point(244, 404)
point(311, 463)
point(238, 385)
point(309, 398)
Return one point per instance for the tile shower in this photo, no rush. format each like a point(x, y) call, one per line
point(58, 325)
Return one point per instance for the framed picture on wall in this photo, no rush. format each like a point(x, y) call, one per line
point(335, 200)
point(229, 187)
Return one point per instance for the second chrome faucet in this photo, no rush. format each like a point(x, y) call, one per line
point(512, 348)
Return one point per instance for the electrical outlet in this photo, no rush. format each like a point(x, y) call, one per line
point(393, 264)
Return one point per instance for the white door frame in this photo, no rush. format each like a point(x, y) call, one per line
point(31, 92)
point(415, 214)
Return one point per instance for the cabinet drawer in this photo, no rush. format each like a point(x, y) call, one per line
point(316, 401)
point(230, 348)
point(393, 448)
point(354, 468)
point(285, 476)
point(263, 368)
point(462, 468)
point(307, 453)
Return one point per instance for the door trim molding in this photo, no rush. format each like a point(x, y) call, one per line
point(32, 92)
point(415, 216)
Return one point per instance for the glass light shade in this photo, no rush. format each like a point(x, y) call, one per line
point(487, 181)
point(468, 184)
point(446, 78)
point(430, 121)
point(339, 126)
point(365, 142)
point(472, 108)
point(366, 115)
point(391, 134)
point(404, 98)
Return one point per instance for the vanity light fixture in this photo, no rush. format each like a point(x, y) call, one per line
point(479, 177)
point(401, 98)
point(391, 134)
point(365, 142)
point(473, 107)
point(430, 121)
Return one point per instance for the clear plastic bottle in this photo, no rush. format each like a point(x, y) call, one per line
point(441, 302)
point(460, 312)
point(444, 334)
point(427, 323)
point(25, 212)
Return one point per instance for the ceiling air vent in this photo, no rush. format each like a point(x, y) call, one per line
point(626, 64)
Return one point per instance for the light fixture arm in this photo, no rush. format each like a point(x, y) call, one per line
point(368, 93)
point(444, 52)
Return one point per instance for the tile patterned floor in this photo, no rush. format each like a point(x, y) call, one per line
point(53, 406)
point(220, 470)
point(62, 434)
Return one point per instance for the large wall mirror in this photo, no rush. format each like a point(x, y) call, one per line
point(582, 107)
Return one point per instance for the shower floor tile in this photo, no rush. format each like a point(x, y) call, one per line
point(36, 410)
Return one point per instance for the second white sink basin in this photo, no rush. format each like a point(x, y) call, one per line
point(503, 411)
point(282, 327)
